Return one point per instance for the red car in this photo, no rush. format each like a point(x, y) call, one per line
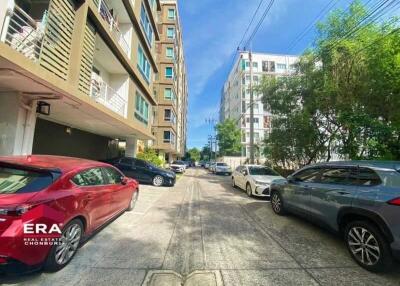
point(50, 204)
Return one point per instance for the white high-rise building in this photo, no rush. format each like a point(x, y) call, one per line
point(235, 95)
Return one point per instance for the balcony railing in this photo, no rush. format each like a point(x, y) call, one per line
point(22, 33)
point(107, 96)
point(112, 23)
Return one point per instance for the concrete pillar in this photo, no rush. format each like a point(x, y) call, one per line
point(131, 147)
point(17, 124)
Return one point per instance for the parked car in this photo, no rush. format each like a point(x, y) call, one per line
point(223, 169)
point(145, 172)
point(254, 179)
point(358, 199)
point(212, 167)
point(68, 198)
point(178, 167)
point(207, 165)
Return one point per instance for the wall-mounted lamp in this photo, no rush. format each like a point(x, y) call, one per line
point(43, 108)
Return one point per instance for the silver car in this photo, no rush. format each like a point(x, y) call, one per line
point(254, 179)
point(359, 199)
point(222, 169)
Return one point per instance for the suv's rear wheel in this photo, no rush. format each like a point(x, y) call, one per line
point(368, 246)
point(277, 203)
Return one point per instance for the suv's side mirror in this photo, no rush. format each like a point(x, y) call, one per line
point(244, 172)
point(291, 179)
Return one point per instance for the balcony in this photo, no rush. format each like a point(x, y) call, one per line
point(23, 33)
point(41, 33)
point(107, 96)
point(118, 22)
point(109, 80)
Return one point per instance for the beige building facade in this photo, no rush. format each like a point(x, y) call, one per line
point(171, 86)
point(78, 77)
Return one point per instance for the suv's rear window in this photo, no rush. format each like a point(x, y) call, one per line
point(13, 180)
point(222, 165)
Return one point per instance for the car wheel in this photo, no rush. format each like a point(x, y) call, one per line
point(248, 190)
point(367, 246)
point(158, 181)
point(60, 255)
point(277, 203)
point(133, 201)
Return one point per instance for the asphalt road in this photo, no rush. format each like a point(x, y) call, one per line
point(206, 227)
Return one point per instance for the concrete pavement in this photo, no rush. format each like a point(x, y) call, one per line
point(204, 232)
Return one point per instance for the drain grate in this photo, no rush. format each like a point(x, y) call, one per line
point(171, 278)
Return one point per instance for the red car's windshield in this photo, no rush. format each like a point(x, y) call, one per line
point(14, 180)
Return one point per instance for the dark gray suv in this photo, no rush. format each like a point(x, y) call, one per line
point(360, 199)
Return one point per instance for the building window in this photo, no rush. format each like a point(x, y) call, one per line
point(169, 116)
point(171, 33)
point(169, 137)
point(169, 94)
point(247, 64)
point(169, 52)
point(146, 25)
point(268, 66)
point(281, 66)
point(171, 14)
point(169, 72)
point(255, 65)
point(143, 64)
point(141, 109)
point(153, 4)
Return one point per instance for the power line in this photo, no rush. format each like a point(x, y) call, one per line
point(375, 12)
point(266, 11)
point(322, 13)
point(251, 22)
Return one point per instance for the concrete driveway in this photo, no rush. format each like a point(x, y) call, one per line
point(204, 232)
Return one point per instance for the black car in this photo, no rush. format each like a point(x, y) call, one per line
point(144, 172)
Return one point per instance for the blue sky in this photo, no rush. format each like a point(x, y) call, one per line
point(213, 28)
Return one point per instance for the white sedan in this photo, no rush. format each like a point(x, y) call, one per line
point(254, 179)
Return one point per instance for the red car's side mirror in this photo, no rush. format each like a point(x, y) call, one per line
point(124, 180)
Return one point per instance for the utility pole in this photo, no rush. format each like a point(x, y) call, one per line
point(212, 139)
point(210, 143)
point(251, 110)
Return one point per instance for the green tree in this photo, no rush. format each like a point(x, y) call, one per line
point(344, 98)
point(194, 154)
point(150, 155)
point(205, 153)
point(229, 137)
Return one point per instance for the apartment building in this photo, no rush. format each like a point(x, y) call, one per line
point(171, 86)
point(235, 95)
point(78, 77)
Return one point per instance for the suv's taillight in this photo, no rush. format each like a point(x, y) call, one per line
point(395, 202)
